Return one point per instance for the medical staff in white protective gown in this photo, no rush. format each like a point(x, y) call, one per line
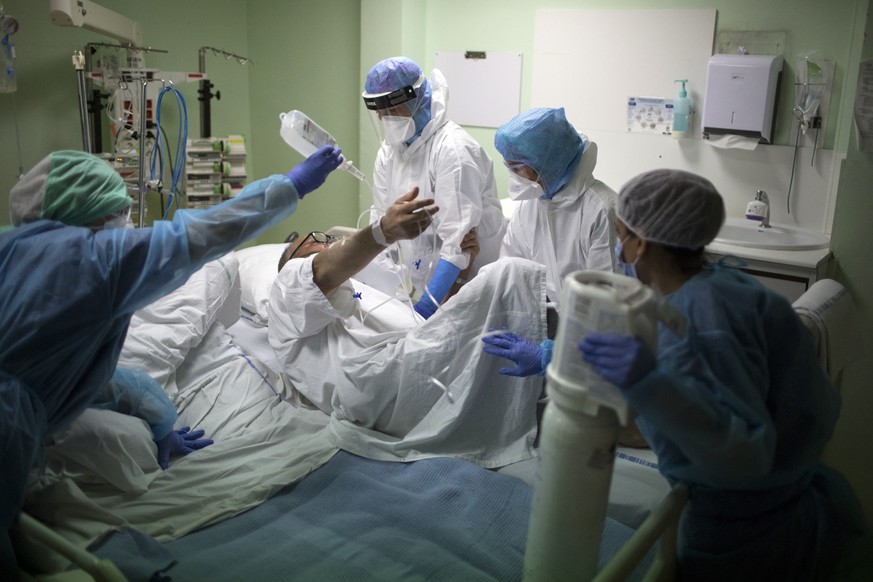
point(564, 216)
point(737, 407)
point(421, 147)
point(68, 292)
point(398, 388)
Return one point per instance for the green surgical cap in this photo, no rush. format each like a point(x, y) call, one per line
point(69, 186)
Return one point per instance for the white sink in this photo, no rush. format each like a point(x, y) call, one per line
point(749, 233)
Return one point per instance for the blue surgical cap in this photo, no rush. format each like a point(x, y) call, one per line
point(395, 73)
point(672, 207)
point(545, 141)
point(392, 74)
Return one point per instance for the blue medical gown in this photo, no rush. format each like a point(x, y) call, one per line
point(740, 409)
point(136, 393)
point(67, 299)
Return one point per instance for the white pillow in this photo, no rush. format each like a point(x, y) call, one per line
point(161, 334)
point(258, 267)
point(104, 446)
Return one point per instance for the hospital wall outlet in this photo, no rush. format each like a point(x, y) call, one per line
point(759, 209)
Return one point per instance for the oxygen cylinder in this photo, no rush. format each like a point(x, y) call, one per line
point(580, 427)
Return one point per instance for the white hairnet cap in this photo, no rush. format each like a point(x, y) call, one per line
point(672, 207)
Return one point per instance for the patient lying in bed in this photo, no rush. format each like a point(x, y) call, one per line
point(400, 389)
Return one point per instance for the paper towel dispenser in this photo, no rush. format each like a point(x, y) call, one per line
point(741, 95)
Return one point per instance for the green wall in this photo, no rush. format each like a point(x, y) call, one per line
point(305, 56)
point(47, 100)
point(307, 59)
point(831, 28)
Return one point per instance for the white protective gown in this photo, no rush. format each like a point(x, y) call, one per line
point(573, 231)
point(446, 164)
point(372, 369)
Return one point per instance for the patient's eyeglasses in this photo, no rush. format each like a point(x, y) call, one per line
point(318, 237)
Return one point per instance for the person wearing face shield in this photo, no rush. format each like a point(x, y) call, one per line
point(420, 147)
point(564, 216)
point(70, 286)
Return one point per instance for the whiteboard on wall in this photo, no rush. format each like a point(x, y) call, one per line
point(591, 61)
point(484, 92)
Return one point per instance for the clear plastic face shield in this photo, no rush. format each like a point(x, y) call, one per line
point(392, 114)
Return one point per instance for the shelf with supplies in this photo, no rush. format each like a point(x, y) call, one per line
point(215, 169)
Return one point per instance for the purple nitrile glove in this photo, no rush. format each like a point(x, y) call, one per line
point(180, 442)
point(312, 172)
point(528, 356)
point(620, 359)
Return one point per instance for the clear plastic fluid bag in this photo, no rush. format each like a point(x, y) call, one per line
point(306, 136)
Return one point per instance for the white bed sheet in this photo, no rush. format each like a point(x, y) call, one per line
point(231, 385)
point(263, 441)
point(636, 488)
point(252, 339)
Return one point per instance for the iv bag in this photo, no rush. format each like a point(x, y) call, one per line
point(306, 136)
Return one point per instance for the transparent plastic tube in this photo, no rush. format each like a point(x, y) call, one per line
point(306, 136)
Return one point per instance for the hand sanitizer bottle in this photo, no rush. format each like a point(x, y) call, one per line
point(681, 111)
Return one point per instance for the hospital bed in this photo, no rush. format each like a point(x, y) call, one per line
point(274, 498)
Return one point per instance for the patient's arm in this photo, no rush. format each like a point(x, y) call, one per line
point(342, 260)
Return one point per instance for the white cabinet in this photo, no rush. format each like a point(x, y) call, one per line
point(789, 273)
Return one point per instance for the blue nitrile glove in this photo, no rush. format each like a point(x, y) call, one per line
point(180, 442)
point(620, 359)
point(528, 357)
point(443, 278)
point(312, 172)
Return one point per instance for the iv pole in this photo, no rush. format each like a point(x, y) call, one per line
point(206, 95)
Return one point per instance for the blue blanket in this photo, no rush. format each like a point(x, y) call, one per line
point(358, 519)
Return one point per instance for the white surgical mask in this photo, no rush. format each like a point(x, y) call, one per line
point(398, 129)
point(522, 188)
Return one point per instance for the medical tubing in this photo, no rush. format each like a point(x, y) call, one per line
point(364, 317)
point(403, 284)
point(367, 314)
point(793, 168)
point(405, 296)
point(166, 143)
point(438, 383)
point(181, 144)
point(429, 253)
